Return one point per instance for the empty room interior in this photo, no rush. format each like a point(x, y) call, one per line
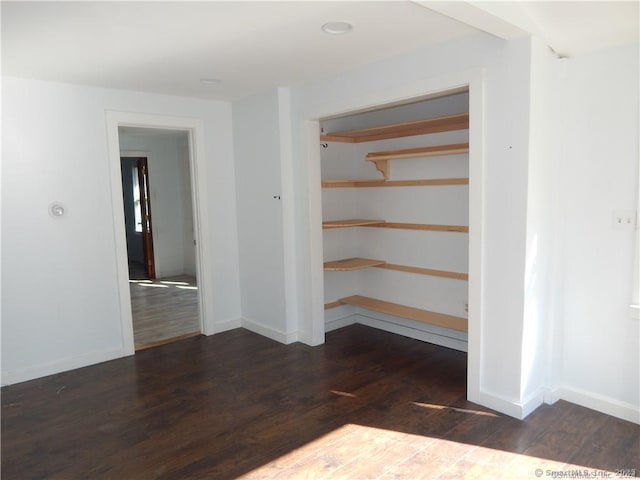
point(268, 240)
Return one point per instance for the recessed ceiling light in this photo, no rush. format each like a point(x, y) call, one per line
point(210, 81)
point(337, 28)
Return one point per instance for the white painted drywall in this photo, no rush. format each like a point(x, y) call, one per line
point(541, 286)
point(256, 135)
point(60, 309)
point(598, 172)
point(169, 187)
point(188, 239)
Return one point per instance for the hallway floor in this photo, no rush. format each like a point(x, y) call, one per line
point(164, 309)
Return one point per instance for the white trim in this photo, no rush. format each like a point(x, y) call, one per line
point(474, 78)
point(336, 323)
point(120, 236)
point(339, 312)
point(229, 324)
point(204, 262)
point(601, 403)
point(551, 395)
point(66, 364)
point(388, 324)
point(512, 408)
point(476, 234)
point(315, 324)
point(270, 332)
point(195, 130)
point(634, 311)
point(533, 401)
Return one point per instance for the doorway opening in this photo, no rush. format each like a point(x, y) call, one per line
point(161, 261)
point(154, 164)
point(322, 304)
point(409, 274)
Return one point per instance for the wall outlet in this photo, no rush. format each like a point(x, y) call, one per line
point(624, 220)
point(466, 307)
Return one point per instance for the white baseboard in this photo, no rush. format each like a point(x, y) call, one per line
point(230, 324)
point(512, 408)
point(551, 395)
point(601, 403)
point(66, 364)
point(500, 404)
point(337, 323)
point(269, 332)
point(532, 402)
point(388, 324)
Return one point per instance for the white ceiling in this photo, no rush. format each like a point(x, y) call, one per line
point(568, 27)
point(167, 47)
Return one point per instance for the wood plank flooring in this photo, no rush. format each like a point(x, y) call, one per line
point(164, 309)
point(367, 404)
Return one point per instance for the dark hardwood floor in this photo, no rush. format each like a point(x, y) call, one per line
point(367, 404)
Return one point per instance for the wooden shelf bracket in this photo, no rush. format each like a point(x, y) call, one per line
point(381, 159)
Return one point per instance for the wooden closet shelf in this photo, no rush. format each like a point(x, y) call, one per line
point(349, 264)
point(329, 305)
point(381, 159)
point(356, 263)
point(411, 313)
point(403, 226)
point(393, 183)
point(445, 123)
point(424, 271)
point(422, 226)
point(350, 223)
point(418, 152)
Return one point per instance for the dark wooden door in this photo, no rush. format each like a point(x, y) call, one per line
point(145, 208)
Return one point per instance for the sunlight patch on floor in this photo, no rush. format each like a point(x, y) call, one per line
point(461, 410)
point(154, 285)
point(354, 452)
point(343, 394)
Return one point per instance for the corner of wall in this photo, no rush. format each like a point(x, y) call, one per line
point(270, 332)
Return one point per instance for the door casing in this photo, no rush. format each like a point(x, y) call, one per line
point(194, 129)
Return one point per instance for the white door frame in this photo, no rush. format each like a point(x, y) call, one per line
point(474, 79)
point(194, 128)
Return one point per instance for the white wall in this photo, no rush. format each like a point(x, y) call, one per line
point(541, 320)
point(60, 306)
point(169, 187)
point(260, 230)
point(189, 250)
point(599, 358)
point(506, 135)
